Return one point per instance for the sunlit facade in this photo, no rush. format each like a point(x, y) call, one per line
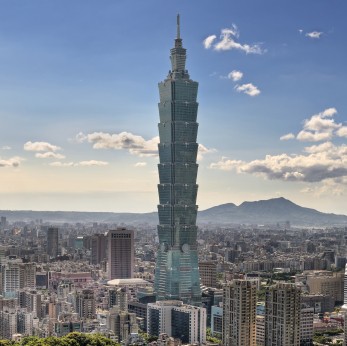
point(177, 272)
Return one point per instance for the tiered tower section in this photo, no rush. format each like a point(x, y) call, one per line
point(177, 272)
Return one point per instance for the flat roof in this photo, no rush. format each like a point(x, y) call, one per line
point(127, 282)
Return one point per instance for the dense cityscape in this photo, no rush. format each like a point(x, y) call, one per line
point(184, 282)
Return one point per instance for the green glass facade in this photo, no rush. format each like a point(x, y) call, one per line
point(177, 272)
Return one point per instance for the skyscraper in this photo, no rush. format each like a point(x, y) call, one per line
point(120, 254)
point(177, 272)
point(52, 241)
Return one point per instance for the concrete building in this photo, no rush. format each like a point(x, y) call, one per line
point(326, 283)
point(239, 312)
point(52, 242)
point(177, 320)
point(122, 323)
point(282, 315)
point(306, 326)
point(11, 275)
point(85, 304)
point(208, 273)
point(121, 254)
point(260, 330)
point(97, 248)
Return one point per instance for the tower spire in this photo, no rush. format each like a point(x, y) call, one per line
point(178, 26)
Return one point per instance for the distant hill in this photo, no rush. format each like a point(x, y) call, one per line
point(272, 211)
point(269, 212)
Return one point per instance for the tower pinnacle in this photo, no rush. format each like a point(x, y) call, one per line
point(178, 27)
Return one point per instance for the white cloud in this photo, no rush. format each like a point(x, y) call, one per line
point(81, 163)
point(5, 147)
point(319, 163)
point(140, 164)
point(342, 131)
point(61, 164)
point(208, 41)
point(202, 150)
point(49, 155)
point(235, 75)
point(248, 89)
point(287, 137)
point(320, 127)
point(228, 42)
point(135, 144)
point(92, 163)
point(314, 34)
point(11, 162)
point(40, 146)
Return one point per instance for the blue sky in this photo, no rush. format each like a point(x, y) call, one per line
point(78, 101)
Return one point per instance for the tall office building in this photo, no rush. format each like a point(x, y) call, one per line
point(239, 313)
point(97, 248)
point(120, 254)
point(177, 271)
point(52, 241)
point(282, 315)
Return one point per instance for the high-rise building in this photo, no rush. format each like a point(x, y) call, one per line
point(97, 248)
point(186, 322)
point(52, 241)
point(3, 222)
point(344, 306)
point(282, 315)
point(121, 257)
point(11, 277)
point(239, 313)
point(85, 304)
point(208, 273)
point(177, 271)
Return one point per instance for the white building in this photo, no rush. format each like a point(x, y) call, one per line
point(177, 320)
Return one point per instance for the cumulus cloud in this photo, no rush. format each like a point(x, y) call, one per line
point(287, 137)
point(135, 144)
point(202, 150)
point(248, 89)
point(318, 163)
point(5, 147)
point(228, 41)
point(321, 127)
point(314, 34)
point(11, 162)
point(208, 41)
point(49, 155)
point(140, 164)
point(235, 75)
point(40, 146)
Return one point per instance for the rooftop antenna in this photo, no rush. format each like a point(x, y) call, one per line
point(178, 27)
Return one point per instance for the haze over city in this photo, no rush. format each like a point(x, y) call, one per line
point(79, 95)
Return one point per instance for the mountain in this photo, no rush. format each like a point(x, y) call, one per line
point(272, 211)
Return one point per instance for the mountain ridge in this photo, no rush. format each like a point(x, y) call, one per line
point(271, 211)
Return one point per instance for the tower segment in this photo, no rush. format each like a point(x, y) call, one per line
point(177, 272)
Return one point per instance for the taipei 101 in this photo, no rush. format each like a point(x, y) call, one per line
point(173, 173)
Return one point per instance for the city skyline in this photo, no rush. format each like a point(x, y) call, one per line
point(78, 102)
